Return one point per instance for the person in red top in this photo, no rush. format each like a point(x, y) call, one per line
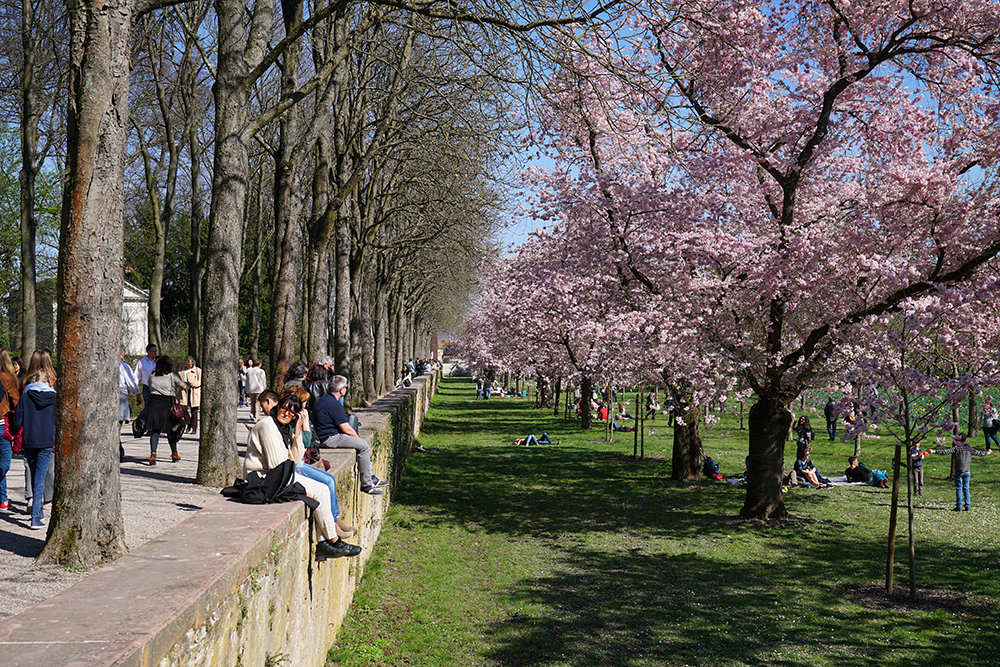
point(11, 394)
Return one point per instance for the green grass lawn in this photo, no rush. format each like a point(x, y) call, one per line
point(577, 554)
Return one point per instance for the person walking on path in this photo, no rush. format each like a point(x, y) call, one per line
point(190, 399)
point(163, 384)
point(128, 383)
point(36, 415)
point(256, 383)
point(241, 382)
point(963, 462)
point(333, 430)
point(143, 370)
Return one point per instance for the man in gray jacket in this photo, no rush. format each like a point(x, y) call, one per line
point(963, 462)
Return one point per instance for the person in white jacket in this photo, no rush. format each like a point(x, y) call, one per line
point(256, 383)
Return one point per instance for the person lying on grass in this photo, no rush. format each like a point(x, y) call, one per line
point(532, 440)
point(859, 472)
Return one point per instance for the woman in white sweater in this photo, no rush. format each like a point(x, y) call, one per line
point(277, 438)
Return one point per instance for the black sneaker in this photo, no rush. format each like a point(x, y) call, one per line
point(338, 549)
point(371, 490)
point(378, 483)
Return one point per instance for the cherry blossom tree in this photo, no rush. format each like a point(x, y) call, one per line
point(809, 166)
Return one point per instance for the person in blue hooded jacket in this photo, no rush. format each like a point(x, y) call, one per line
point(36, 413)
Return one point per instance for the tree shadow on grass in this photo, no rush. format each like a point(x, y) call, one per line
point(647, 608)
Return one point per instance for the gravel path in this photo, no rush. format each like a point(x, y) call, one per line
point(154, 499)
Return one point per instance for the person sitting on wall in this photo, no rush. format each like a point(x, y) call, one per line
point(332, 429)
point(277, 438)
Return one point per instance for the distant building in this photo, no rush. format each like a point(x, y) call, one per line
point(441, 346)
point(135, 323)
point(135, 320)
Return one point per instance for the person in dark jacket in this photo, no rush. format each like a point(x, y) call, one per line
point(316, 384)
point(36, 414)
point(830, 413)
point(804, 435)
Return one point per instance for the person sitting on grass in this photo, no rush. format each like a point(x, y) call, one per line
point(806, 470)
point(859, 472)
point(532, 440)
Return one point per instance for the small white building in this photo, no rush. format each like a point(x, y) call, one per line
point(135, 321)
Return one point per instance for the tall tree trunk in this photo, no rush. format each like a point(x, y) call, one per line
point(317, 270)
point(218, 460)
point(195, 265)
point(555, 401)
point(769, 422)
point(86, 525)
point(366, 342)
point(379, 344)
point(400, 335)
point(255, 280)
point(162, 217)
point(30, 116)
point(585, 396)
point(688, 451)
point(287, 208)
point(342, 290)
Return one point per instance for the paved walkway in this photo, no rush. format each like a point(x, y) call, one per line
point(154, 499)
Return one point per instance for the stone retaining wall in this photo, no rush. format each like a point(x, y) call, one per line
point(234, 585)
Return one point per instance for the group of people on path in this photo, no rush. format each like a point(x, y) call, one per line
point(170, 400)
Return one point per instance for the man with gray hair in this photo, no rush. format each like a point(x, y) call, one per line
point(332, 429)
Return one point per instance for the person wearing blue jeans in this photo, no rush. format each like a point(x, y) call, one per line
point(532, 440)
point(322, 476)
point(990, 422)
point(36, 414)
point(268, 400)
point(38, 465)
point(963, 460)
